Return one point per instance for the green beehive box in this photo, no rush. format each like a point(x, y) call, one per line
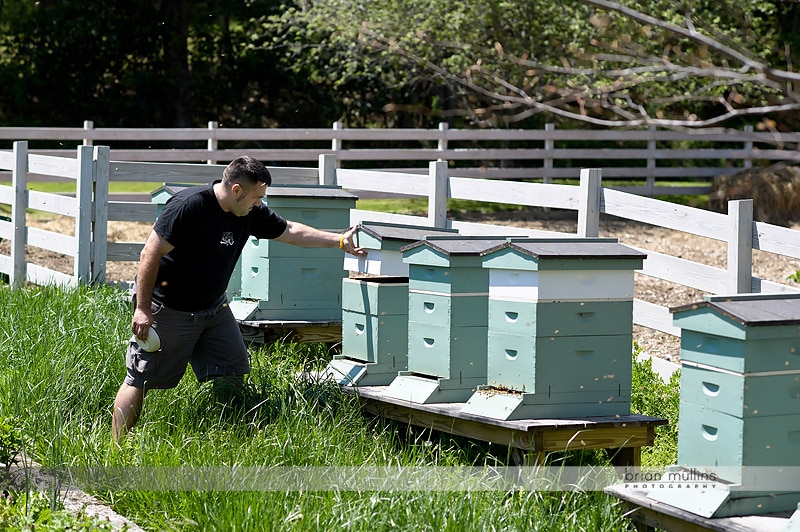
point(744, 333)
point(383, 242)
point(448, 318)
point(560, 329)
point(740, 400)
point(374, 332)
point(278, 281)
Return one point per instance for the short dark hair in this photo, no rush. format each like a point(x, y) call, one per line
point(246, 170)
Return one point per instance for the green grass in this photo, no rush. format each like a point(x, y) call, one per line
point(62, 360)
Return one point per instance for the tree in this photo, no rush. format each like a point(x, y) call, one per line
point(694, 63)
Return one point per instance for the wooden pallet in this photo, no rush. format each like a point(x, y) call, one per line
point(624, 436)
point(650, 514)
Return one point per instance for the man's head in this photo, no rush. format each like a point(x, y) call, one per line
point(245, 181)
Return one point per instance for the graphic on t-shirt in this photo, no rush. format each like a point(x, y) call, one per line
point(227, 239)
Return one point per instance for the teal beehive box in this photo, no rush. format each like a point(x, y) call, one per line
point(278, 281)
point(559, 330)
point(447, 319)
point(375, 306)
point(739, 416)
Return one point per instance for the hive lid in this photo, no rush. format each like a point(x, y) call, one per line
point(401, 232)
point(570, 248)
point(751, 309)
point(309, 191)
point(458, 245)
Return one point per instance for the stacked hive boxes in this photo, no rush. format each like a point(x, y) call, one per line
point(740, 397)
point(559, 329)
point(447, 313)
point(375, 306)
point(283, 282)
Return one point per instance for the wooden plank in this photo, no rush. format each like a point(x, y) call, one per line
point(45, 276)
point(6, 195)
point(652, 513)
point(161, 173)
point(5, 264)
point(52, 241)
point(776, 239)
point(672, 216)
point(55, 166)
point(682, 271)
point(6, 159)
point(535, 194)
point(82, 250)
point(124, 251)
point(411, 184)
point(451, 425)
point(605, 438)
point(6, 230)
point(132, 211)
point(53, 203)
point(654, 316)
point(769, 287)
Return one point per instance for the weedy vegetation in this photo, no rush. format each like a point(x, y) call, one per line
point(62, 360)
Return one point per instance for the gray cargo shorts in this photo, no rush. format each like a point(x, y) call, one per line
point(209, 341)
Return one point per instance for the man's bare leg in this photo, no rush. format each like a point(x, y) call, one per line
point(127, 407)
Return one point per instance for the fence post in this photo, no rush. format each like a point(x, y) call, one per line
point(442, 146)
point(547, 161)
point(651, 161)
point(19, 180)
point(327, 169)
point(102, 155)
point(748, 147)
point(213, 143)
point(437, 198)
point(590, 198)
point(88, 125)
point(83, 220)
point(740, 246)
point(336, 143)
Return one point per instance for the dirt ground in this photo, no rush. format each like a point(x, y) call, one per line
point(678, 244)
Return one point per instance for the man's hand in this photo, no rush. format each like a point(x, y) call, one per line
point(142, 320)
point(349, 245)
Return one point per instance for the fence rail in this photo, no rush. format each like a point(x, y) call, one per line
point(92, 211)
point(644, 155)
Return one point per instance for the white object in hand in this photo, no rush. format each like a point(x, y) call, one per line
point(153, 342)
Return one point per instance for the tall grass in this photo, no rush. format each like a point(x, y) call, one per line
point(61, 362)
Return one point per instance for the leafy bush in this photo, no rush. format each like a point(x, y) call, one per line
point(651, 396)
point(10, 444)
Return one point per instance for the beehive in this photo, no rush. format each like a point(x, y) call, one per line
point(559, 329)
point(383, 242)
point(740, 397)
point(375, 306)
point(279, 281)
point(447, 313)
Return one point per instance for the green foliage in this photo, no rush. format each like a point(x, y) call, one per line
point(651, 396)
point(61, 362)
point(10, 443)
point(34, 511)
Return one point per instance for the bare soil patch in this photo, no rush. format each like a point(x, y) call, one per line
point(678, 244)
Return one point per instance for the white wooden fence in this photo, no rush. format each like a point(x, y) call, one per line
point(92, 212)
point(645, 156)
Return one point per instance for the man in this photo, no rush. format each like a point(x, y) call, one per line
point(183, 274)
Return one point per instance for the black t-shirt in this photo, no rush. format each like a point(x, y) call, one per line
point(208, 242)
